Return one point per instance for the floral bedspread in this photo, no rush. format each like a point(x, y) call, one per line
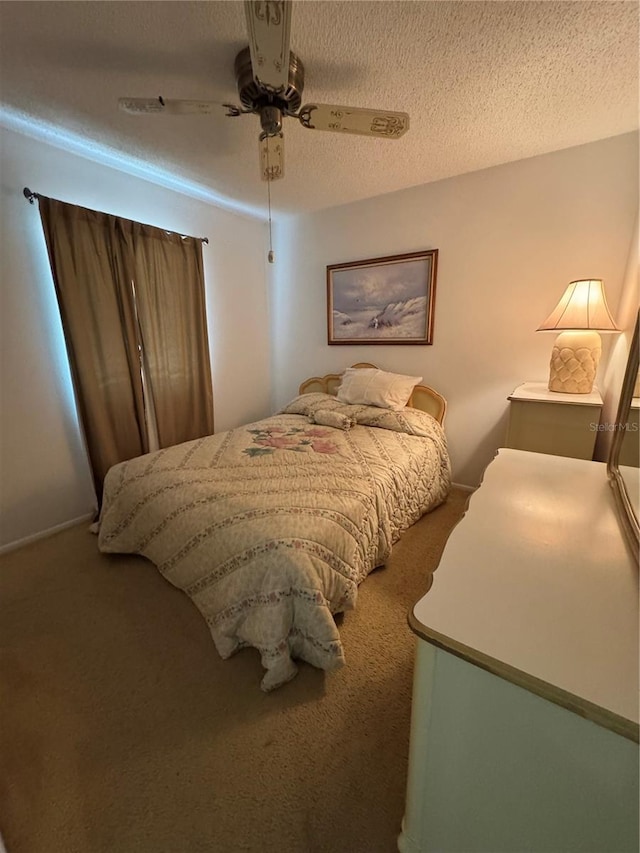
point(270, 527)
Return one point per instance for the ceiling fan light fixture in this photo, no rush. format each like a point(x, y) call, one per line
point(271, 120)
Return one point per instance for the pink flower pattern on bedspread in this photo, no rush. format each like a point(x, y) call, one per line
point(270, 528)
point(300, 439)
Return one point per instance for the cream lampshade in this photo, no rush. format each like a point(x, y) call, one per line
point(580, 315)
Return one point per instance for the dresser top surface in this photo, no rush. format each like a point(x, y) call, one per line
point(537, 581)
point(538, 392)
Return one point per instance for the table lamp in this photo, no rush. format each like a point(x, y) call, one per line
point(580, 315)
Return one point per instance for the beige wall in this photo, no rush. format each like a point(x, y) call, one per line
point(510, 239)
point(44, 476)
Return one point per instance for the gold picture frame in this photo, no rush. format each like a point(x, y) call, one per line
point(387, 300)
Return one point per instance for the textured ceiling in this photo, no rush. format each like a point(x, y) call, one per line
point(484, 83)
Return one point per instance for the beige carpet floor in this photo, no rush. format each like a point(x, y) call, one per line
point(122, 730)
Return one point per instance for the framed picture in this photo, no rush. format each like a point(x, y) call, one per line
point(382, 300)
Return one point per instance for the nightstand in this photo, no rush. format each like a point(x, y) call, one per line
point(550, 422)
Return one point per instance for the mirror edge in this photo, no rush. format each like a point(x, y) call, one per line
point(627, 513)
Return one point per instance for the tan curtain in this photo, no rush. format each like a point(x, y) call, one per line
point(131, 299)
point(170, 298)
point(92, 275)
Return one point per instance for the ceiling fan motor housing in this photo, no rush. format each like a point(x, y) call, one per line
point(254, 96)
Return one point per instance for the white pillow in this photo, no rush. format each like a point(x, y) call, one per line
point(372, 387)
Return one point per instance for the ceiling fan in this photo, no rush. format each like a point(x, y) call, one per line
point(270, 80)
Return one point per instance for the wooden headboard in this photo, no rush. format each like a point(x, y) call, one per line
point(423, 397)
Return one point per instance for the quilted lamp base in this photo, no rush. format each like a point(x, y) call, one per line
point(574, 362)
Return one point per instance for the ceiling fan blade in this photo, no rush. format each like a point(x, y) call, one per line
point(272, 157)
point(268, 27)
point(384, 123)
point(140, 106)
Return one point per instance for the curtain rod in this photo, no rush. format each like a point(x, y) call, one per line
point(31, 196)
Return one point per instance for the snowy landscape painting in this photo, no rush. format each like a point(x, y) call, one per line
point(382, 300)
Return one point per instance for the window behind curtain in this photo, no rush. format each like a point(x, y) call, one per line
point(132, 304)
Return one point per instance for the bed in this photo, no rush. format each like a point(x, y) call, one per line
point(269, 528)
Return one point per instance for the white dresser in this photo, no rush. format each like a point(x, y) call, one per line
point(524, 729)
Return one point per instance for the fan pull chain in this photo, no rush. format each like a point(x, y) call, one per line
point(270, 256)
